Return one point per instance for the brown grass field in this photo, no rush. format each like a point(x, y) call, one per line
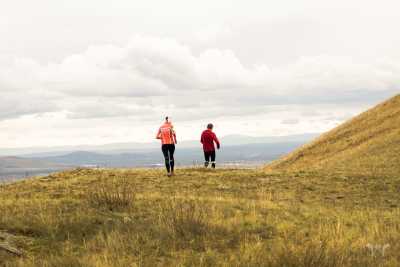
point(369, 144)
point(201, 218)
point(334, 202)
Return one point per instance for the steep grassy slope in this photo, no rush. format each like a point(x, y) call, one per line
point(369, 145)
point(200, 218)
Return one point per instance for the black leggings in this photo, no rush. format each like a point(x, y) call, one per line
point(168, 151)
point(207, 156)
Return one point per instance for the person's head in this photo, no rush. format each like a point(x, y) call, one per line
point(210, 126)
point(167, 119)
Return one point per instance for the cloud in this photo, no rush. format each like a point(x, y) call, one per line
point(149, 76)
point(65, 68)
point(290, 121)
point(16, 104)
point(96, 108)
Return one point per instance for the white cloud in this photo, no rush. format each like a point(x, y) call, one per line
point(114, 93)
point(152, 75)
point(290, 121)
point(17, 104)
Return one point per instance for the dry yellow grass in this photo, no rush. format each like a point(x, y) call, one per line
point(201, 218)
point(334, 202)
point(368, 145)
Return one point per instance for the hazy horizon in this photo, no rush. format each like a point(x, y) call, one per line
point(228, 140)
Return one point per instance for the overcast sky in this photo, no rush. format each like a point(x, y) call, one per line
point(95, 71)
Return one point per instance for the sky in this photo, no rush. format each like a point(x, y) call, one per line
point(96, 71)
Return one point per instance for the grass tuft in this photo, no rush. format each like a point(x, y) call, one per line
point(185, 219)
point(113, 194)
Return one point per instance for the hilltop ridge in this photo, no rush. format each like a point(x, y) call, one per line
point(368, 144)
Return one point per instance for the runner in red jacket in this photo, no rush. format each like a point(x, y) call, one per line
point(208, 138)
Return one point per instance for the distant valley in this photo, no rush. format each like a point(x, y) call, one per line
point(236, 150)
point(18, 167)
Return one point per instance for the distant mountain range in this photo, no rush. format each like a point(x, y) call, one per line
point(184, 156)
point(116, 148)
point(236, 149)
point(16, 167)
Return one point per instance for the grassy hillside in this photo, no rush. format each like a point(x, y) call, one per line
point(334, 202)
point(199, 218)
point(368, 145)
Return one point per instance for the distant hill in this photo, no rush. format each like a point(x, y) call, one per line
point(231, 140)
point(188, 153)
point(368, 144)
point(17, 162)
point(15, 167)
point(84, 158)
point(118, 148)
point(249, 153)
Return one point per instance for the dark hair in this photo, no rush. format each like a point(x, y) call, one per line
point(210, 126)
point(166, 118)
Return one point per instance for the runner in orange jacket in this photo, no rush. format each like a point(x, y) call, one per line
point(167, 136)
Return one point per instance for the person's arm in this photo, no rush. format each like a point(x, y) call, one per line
point(202, 138)
point(158, 136)
point(174, 136)
point(216, 141)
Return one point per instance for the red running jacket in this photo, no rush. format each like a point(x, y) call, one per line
point(207, 139)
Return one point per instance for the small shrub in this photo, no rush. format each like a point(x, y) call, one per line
point(116, 193)
point(185, 219)
point(313, 253)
